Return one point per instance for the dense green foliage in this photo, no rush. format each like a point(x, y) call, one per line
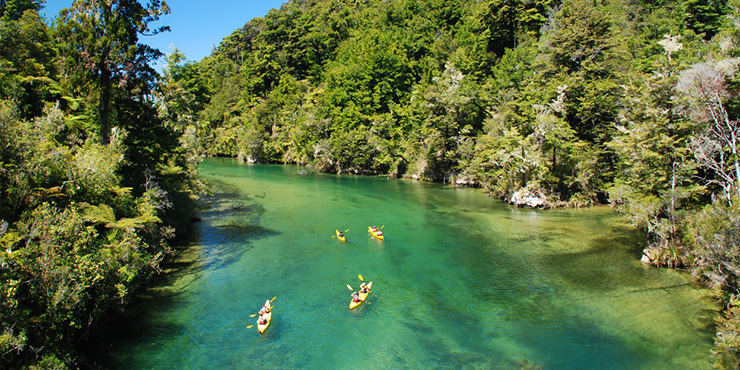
point(91, 174)
point(580, 102)
point(508, 95)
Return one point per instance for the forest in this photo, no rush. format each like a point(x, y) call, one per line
point(631, 103)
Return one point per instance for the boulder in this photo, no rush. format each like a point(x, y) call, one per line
point(649, 255)
point(465, 181)
point(528, 198)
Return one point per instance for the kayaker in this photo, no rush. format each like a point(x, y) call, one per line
point(341, 234)
point(265, 308)
point(262, 320)
point(363, 288)
point(355, 297)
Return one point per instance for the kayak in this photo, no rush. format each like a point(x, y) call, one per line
point(342, 238)
point(378, 234)
point(363, 297)
point(262, 327)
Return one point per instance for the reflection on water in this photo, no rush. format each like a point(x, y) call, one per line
point(461, 281)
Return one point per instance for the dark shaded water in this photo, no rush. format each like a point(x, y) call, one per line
point(461, 281)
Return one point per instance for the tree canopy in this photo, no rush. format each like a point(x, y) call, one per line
point(94, 182)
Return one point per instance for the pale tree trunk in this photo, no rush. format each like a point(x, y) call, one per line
point(672, 213)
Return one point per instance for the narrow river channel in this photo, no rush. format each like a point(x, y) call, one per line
point(461, 281)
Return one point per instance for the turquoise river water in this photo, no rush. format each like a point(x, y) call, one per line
point(462, 281)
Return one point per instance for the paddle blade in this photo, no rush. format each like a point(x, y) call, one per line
point(346, 230)
point(381, 228)
point(253, 315)
point(349, 287)
point(360, 276)
point(273, 298)
point(250, 326)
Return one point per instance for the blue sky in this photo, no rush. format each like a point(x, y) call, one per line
point(197, 26)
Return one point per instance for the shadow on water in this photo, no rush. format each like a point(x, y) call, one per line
point(234, 221)
point(366, 307)
point(229, 222)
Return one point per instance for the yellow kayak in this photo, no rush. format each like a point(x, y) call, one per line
point(378, 234)
point(263, 327)
point(363, 297)
point(340, 236)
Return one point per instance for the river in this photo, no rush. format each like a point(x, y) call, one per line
point(461, 281)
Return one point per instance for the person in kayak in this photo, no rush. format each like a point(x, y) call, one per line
point(376, 231)
point(265, 308)
point(356, 297)
point(363, 288)
point(341, 234)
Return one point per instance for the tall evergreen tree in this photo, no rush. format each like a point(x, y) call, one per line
point(104, 41)
point(704, 16)
point(14, 9)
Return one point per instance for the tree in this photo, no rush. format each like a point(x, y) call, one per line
point(27, 69)
point(584, 54)
point(582, 36)
point(656, 168)
point(716, 146)
point(104, 39)
point(14, 9)
point(506, 20)
point(446, 112)
point(704, 16)
point(370, 75)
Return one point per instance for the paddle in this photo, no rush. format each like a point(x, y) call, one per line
point(360, 276)
point(381, 228)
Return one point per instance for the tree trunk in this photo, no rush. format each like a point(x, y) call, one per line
point(104, 107)
point(733, 145)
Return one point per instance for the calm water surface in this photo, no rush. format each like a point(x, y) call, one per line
point(461, 281)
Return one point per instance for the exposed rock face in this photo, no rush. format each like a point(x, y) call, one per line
point(529, 198)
